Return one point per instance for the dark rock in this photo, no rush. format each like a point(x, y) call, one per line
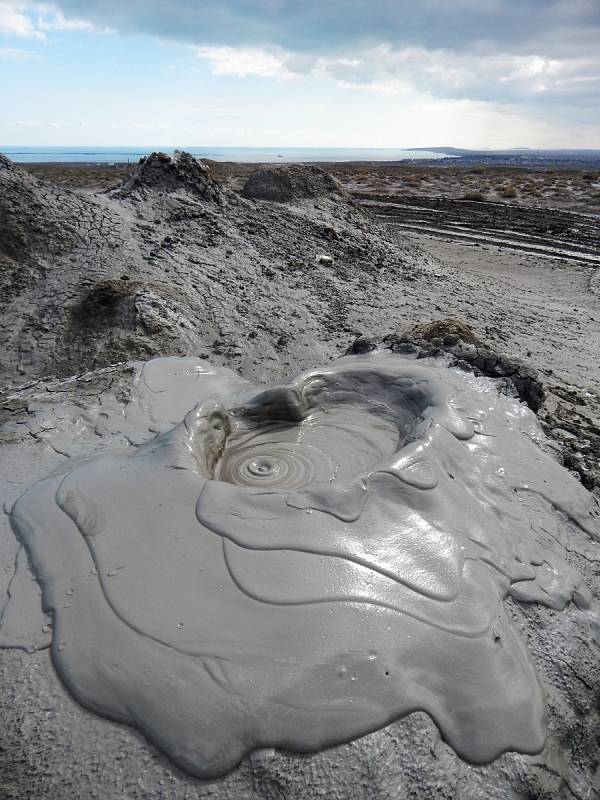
point(406, 347)
point(362, 345)
point(450, 339)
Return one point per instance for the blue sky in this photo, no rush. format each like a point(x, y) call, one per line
point(471, 73)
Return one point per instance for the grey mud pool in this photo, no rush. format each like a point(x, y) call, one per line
point(296, 565)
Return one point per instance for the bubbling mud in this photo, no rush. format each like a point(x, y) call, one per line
point(298, 565)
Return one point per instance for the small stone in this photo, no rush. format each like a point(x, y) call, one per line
point(323, 258)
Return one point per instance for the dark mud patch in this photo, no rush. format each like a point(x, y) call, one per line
point(106, 301)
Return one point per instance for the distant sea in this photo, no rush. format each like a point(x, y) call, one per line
point(108, 155)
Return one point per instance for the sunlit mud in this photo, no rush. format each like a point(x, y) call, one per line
point(297, 565)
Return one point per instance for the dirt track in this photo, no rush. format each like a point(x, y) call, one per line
point(556, 233)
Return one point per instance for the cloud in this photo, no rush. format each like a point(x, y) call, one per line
point(504, 50)
point(532, 53)
point(49, 19)
point(141, 126)
point(316, 26)
point(32, 20)
point(15, 22)
point(16, 54)
point(244, 61)
point(503, 77)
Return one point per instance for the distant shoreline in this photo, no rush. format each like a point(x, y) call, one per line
point(522, 161)
point(122, 157)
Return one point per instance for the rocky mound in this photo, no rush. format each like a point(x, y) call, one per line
point(288, 183)
point(160, 172)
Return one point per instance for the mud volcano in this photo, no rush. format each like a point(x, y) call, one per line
point(294, 566)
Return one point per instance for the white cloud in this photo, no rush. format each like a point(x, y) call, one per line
point(141, 126)
point(32, 20)
point(244, 61)
point(14, 21)
point(447, 74)
point(16, 54)
point(50, 19)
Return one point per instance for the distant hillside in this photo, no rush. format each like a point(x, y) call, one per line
point(523, 157)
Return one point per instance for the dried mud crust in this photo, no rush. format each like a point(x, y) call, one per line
point(207, 272)
point(571, 417)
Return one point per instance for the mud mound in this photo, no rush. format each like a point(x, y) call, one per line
point(119, 318)
point(296, 182)
point(29, 218)
point(173, 263)
point(468, 351)
point(34, 230)
point(105, 297)
point(159, 172)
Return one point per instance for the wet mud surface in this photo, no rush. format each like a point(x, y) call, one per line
point(57, 426)
point(308, 560)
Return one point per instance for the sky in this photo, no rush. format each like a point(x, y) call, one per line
point(301, 73)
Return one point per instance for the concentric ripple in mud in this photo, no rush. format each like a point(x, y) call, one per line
point(324, 447)
point(297, 565)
